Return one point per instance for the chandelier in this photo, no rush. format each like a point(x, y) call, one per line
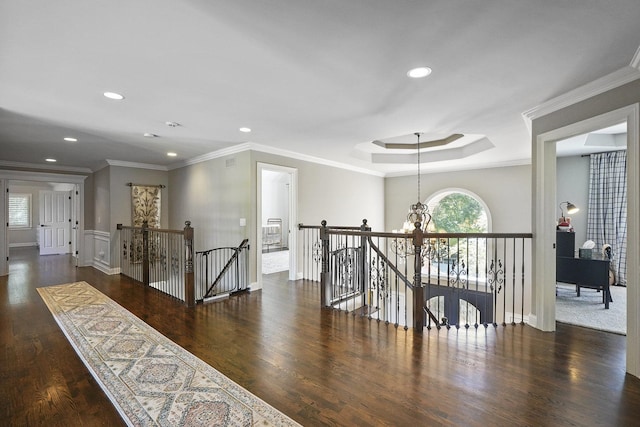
point(418, 212)
point(418, 215)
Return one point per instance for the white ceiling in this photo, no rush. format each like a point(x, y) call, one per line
point(319, 78)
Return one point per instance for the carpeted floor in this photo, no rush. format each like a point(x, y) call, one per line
point(588, 309)
point(273, 262)
point(150, 380)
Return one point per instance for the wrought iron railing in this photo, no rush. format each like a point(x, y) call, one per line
point(456, 279)
point(312, 250)
point(161, 259)
point(221, 272)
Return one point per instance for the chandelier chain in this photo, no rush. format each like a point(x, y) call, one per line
point(418, 135)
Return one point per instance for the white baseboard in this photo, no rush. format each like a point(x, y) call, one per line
point(516, 317)
point(23, 245)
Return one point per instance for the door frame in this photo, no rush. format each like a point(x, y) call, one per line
point(544, 216)
point(9, 175)
point(293, 218)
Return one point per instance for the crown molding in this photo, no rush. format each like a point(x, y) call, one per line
point(212, 155)
point(250, 146)
point(313, 159)
point(505, 164)
point(635, 62)
point(611, 81)
point(136, 165)
point(9, 164)
point(41, 176)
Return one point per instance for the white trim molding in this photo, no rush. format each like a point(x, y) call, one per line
point(9, 164)
point(136, 165)
point(611, 81)
point(250, 146)
point(23, 245)
point(98, 251)
point(544, 214)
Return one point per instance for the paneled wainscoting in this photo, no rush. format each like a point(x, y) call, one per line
point(97, 246)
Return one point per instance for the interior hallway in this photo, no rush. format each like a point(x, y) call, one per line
point(318, 366)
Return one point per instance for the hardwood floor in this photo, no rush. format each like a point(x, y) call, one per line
point(317, 366)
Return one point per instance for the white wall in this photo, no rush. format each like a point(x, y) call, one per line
point(27, 236)
point(275, 200)
point(572, 182)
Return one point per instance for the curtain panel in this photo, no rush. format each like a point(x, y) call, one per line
point(607, 216)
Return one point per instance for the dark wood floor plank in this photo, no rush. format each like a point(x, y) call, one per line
point(318, 366)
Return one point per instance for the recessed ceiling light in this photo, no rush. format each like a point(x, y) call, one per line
point(417, 73)
point(113, 95)
point(68, 138)
point(51, 160)
point(149, 135)
point(245, 130)
point(172, 124)
point(171, 154)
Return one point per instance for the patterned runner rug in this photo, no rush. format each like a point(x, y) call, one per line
point(150, 379)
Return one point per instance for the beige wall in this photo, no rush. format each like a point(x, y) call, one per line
point(120, 199)
point(101, 201)
point(89, 203)
point(506, 191)
point(215, 194)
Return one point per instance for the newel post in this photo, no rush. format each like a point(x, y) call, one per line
point(325, 278)
point(145, 253)
point(189, 287)
point(364, 279)
point(418, 290)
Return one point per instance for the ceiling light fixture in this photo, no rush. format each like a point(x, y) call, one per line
point(172, 124)
point(113, 95)
point(419, 72)
point(51, 160)
point(149, 135)
point(171, 154)
point(418, 212)
point(245, 130)
point(68, 138)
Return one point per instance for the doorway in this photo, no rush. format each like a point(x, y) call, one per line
point(545, 216)
point(584, 175)
point(276, 219)
point(73, 184)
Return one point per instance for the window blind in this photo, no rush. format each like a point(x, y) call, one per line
point(19, 210)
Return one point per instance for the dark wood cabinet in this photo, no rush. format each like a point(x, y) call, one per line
point(565, 244)
point(587, 273)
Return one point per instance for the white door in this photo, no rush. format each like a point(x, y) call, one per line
point(55, 222)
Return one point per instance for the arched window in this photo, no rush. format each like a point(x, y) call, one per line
point(458, 211)
point(457, 262)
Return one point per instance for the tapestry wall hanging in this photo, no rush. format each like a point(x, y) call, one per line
point(145, 204)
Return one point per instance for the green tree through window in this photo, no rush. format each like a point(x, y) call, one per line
point(459, 213)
